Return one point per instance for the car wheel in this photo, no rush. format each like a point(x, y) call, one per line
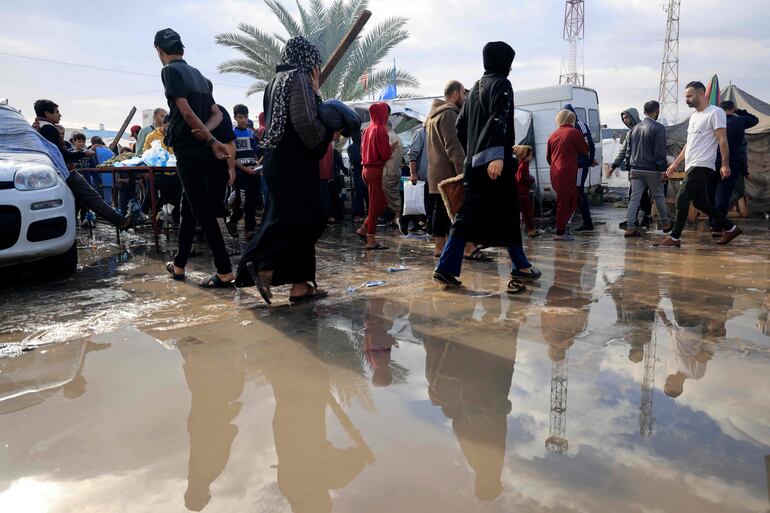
point(67, 262)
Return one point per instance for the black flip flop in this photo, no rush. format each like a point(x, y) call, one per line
point(516, 287)
point(310, 296)
point(264, 289)
point(170, 269)
point(215, 282)
point(478, 256)
point(378, 247)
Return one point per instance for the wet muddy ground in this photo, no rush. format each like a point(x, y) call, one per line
point(628, 379)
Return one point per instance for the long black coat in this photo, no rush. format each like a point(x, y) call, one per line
point(490, 211)
point(295, 219)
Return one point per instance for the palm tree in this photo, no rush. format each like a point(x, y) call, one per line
point(324, 27)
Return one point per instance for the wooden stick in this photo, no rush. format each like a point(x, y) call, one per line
point(114, 144)
point(344, 45)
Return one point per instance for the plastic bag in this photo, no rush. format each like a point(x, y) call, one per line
point(414, 199)
point(156, 156)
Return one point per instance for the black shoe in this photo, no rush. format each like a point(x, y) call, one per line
point(623, 225)
point(532, 275)
point(585, 228)
point(446, 279)
point(403, 227)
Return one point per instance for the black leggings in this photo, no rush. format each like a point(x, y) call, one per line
point(196, 173)
point(441, 223)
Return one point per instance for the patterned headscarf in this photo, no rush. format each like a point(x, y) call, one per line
point(298, 56)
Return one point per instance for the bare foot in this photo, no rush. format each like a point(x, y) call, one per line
point(300, 289)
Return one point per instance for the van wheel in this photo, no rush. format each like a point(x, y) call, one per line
point(67, 262)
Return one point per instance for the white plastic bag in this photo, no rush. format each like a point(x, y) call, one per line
point(156, 156)
point(414, 198)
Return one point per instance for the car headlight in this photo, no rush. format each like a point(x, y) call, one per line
point(31, 177)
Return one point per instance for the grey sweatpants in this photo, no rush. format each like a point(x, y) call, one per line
point(641, 180)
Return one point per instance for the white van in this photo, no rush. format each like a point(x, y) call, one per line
point(544, 103)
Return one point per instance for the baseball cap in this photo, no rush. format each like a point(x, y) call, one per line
point(166, 38)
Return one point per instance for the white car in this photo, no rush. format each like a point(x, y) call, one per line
point(37, 209)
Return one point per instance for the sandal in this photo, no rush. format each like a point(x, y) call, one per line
point(478, 256)
point(312, 295)
point(215, 282)
point(362, 237)
point(263, 286)
point(376, 247)
point(516, 286)
point(170, 269)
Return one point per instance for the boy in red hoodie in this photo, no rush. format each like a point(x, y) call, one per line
point(375, 150)
point(524, 181)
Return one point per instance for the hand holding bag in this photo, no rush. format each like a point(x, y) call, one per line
point(414, 198)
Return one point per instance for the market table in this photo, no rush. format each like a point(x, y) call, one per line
point(150, 170)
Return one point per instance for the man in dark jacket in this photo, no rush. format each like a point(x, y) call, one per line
point(47, 116)
point(584, 163)
point(630, 118)
point(721, 190)
point(647, 161)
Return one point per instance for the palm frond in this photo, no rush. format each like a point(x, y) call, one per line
point(324, 26)
point(256, 87)
point(286, 19)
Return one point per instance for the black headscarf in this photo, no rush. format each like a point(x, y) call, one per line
point(498, 57)
point(298, 56)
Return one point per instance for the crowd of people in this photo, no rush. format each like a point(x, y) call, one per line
point(478, 179)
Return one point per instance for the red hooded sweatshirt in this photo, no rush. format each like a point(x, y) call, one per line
point(375, 145)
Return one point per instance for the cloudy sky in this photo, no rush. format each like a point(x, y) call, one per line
point(623, 48)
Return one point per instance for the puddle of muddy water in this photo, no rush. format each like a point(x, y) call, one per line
point(615, 384)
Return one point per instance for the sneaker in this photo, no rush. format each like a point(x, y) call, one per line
point(446, 279)
point(727, 236)
point(403, 227)
point(584, 228)
point(623, 225)
point(532, 275)
point(566, 236)
point(668, 242)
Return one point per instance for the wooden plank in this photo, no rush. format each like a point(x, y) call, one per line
point(114, 144)
point(344, 45)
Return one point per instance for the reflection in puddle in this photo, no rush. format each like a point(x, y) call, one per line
point(155, 395)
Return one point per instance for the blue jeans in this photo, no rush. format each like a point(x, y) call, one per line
point(451, 260)
point(585, 210)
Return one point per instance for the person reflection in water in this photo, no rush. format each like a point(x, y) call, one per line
point(309, 466)
point(700, 316)
point(378, 343)
point(565, 311)
point(471, 386)
point(215, 375)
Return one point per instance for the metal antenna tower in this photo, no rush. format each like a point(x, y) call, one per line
point(668, 95)
point(557, 432)
point(646, 418)
point(574, 31)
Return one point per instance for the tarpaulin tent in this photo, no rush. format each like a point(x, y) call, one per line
point(758, 189)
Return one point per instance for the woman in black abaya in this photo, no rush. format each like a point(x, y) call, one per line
point(489, 214)
point(283, 251)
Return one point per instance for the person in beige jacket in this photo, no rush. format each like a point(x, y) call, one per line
point(445, 158)
point(391, 174)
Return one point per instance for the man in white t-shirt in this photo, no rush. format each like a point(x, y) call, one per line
point(706, 132)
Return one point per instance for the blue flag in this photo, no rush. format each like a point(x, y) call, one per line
point(391, 92)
